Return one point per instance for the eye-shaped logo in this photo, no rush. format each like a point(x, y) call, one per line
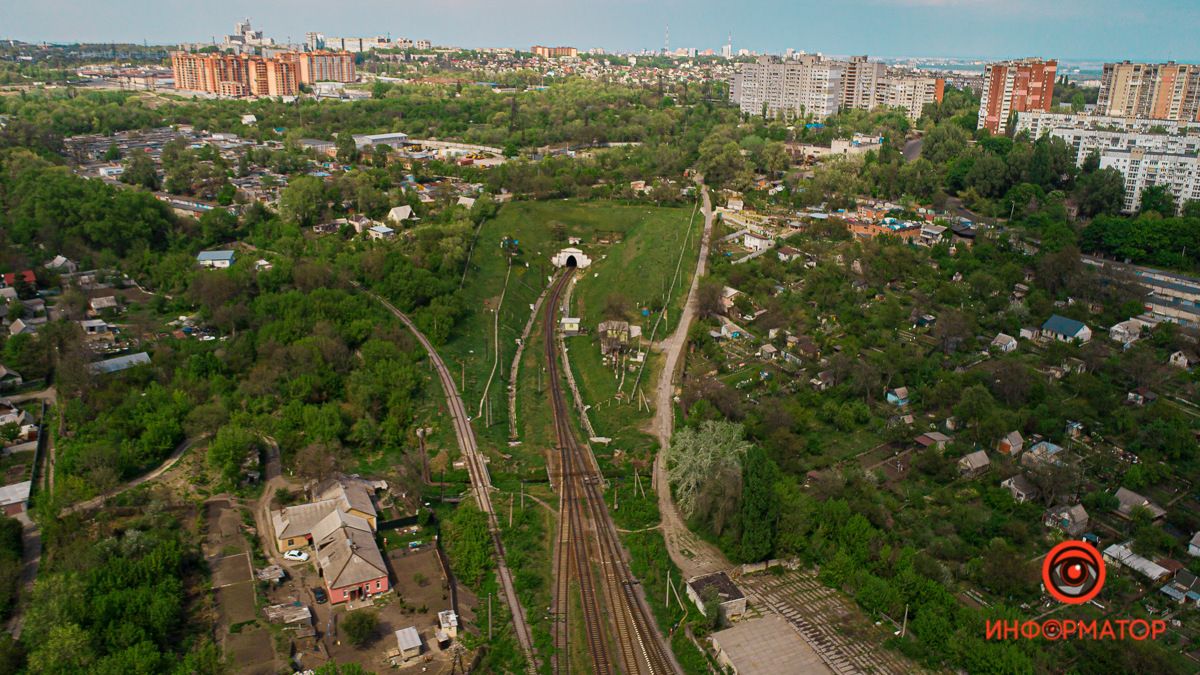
point(1073, 572)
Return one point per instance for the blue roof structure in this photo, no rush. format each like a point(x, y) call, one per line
point(120, 363)
point(1061, 325)
point(209, 256)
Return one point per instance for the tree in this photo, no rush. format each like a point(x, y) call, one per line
point(694, 455)
point(303, 200)
point(1157, 199)
point(975, 406)
point(347, 149)
point(360, 626)
point(1101, 191)
point(318, 461)
point(760, 507)
point(141, 171)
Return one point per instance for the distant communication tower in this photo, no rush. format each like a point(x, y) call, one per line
point(667, 41)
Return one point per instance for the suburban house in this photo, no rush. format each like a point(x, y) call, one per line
point(381, 232)
point(1005, 343)
point(1011, 444)
point(97, 305)
point(1183, 588)
point(1126, 332)
point(294, 525)
point(14, 498)
point(9, 378)
point(9, 279)
point(215, 259)
point(898, 396)
point(62, 265)
point(934, 439)
point(1066, 330)
point(348, 559)
point(728, 296)
point(756, 242)
point(787, 254)
point(1130, 500)
point(448, 622)
point(399, 214)
point(731, 602)
point(1121, 554)
point(1021, 488)
point(824, 380)
point(1041, 454)
point(1194, 545)
point(974, 464)
point(1071, 520)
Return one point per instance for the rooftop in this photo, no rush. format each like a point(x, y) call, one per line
point(720, 583)
point(767, 645)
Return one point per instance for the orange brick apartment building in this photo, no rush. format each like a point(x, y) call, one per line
point(1015, 86)
point(242, 75)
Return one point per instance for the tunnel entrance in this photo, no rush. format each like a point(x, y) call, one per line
point(571, 262)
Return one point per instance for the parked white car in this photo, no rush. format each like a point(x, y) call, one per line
point(298, 556)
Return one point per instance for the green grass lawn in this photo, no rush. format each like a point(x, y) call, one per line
point(639, 266)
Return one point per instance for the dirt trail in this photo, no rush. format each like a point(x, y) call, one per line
point(692, 555)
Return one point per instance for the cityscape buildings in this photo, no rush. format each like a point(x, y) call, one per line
point(554, 52)
point(812, 84)
point(1159, 91)
point(237, 75)
point(1013, 87)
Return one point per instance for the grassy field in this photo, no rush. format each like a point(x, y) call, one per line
point(638, 266)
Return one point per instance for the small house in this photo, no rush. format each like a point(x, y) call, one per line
point(1066, 330)
point(1140, 397)
point(1004, 343)
point(1182, 360)
point(756, 242)
point(1028, 333)
point(731, 602)
point(1042, 453)
point(1011, 444)
point(1071, 520)
point(974, 464)
point(62, 265)
point(614, 336)
point(1184, 587)
point(728, 297)
point(9, 378)
point(1194, 545)
point(380, 232)
point(787, 254)
point(94, 327)
point(399, 214)
point(97, 305)
point(448, 622)
point(1126, 332)
point(1122, 555)
point(1129, 502)
point(216, 259)
point(768, 352)
point(824, 380)
point(933, 439)
point(1021, 488)
point(898, 396)
point(408, 641)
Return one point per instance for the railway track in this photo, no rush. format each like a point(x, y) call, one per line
point(481, 481)
point(589, 550)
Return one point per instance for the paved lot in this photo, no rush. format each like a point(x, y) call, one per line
point(835, 628)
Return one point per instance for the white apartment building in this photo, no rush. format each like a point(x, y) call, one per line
point(1142, 168)
point(1087, 141)
point(860, 82)
point(807, 85)
point(910, 92)
point(1039, 123)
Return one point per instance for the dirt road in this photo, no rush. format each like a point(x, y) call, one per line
point(693, 555)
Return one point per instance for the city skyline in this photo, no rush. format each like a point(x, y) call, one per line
point(969, 29)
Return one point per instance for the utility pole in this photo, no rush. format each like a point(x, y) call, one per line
point(904, 626)
point(489, 617)
point(667, 600)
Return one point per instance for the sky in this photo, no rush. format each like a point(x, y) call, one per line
point(1064, 29)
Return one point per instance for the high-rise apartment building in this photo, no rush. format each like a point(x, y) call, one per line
point(1142, 168)
point(805, 85)
point(322, 66)
point(909, 92)
point(244, 75)
point(553, 52)
point(1160, 91)
point(1012, 87)
point(860, 83)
